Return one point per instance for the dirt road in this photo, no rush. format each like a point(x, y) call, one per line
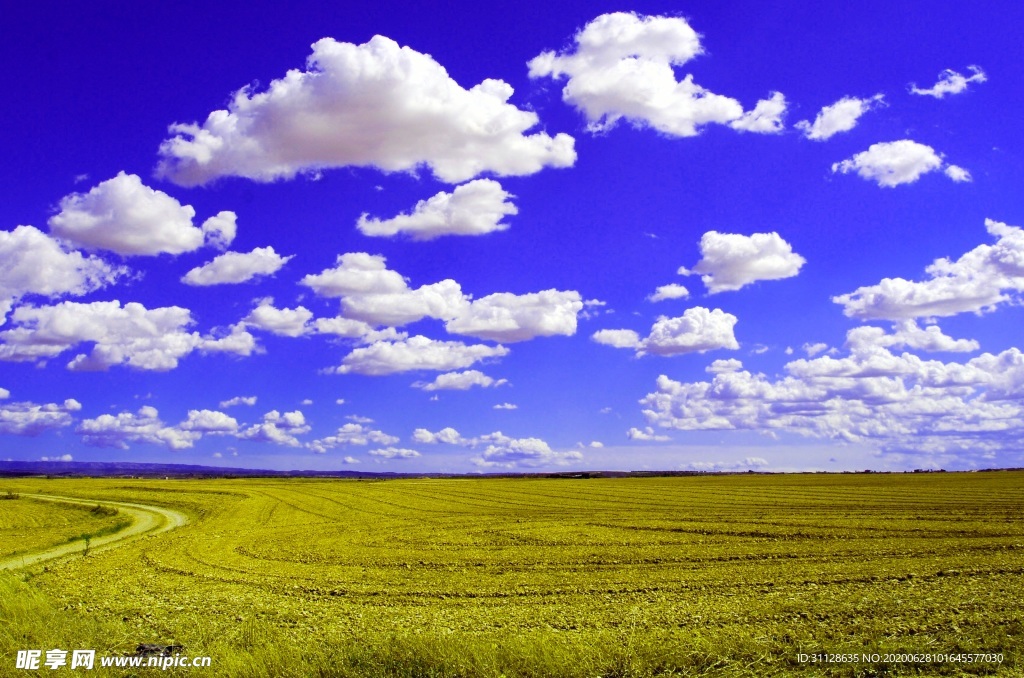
point(146, 520)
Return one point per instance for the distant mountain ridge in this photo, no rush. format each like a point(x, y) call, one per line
point(150, 470)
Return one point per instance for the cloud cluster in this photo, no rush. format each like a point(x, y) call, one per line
point(647, 434)
point(730, 261)
point(500, 450)
point(842, 116)
point(898, 162)
point(394, 453)
point(236, 267)
point(239, 400)
point(415, 353)
point(623, 66)
point(145, 426)
point(698, 330)
point(898, 403)
point(31, 419)
point(372, 105)
point(32, 263)
point(476, 208)
point(351, 434)
point(460, 381)
point(124, 215)
point(950, 82)
point(146, 339)
point(374, 294)
point(277, 428)
point(670, 291)
point(285, 322)
point(979, 281)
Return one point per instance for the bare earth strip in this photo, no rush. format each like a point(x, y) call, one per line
point(146, 520)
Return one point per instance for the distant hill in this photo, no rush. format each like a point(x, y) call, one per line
point(103, 468)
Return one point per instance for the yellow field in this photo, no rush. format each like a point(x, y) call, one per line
point(27, 525)
point(715, 575)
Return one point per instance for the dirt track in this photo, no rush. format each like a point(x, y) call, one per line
point(146, 520)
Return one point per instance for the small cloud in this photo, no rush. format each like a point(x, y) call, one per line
point(647, 435)
point(307, 401)
point(358, 419)
point(950, 82)
point(814, 349)
point(894, 163)
point(239, 400)
point(506, 406)
point(63, 457)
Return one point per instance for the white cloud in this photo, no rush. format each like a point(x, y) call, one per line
point(33, 263)
point(747, 463)
point(277, 428)
point(416, 353)
point(724, 365)
point(237, 267)
point(356, 273)
point(617, 338)
point(646, 435)
point(374, 294)
point(696, 331)
point(119, 430)
point(475, 208)
point(907, 334)
point(63, 457)
point(814, 349)
point(950, 82)
point(897, 403)
point(220, 229)
point(978, 281)
point(897, 162)
point(31, 419)
point(359, 419)
point(730, 261)
point(350, 460)
point(394, 453)
point(239, 400)
point(209, 421)
point(460, 381)
point(285, 322)
point(510, 318)
point(506, 406)
point(147, 339)
point(501, 450)
point(957, 173)
point(447, 435)
point(125, 216)
point(765, 118)
point(376, 105)
point(840, 117)
point(344, 327)
point(623, 65)
point(670, 291)
point(351, 434)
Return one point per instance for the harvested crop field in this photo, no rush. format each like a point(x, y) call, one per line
point(703, 575)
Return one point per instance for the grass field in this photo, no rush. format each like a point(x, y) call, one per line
point(712, 575)
point(29, 525)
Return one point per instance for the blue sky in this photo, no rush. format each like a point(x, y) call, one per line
point(516, 237)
